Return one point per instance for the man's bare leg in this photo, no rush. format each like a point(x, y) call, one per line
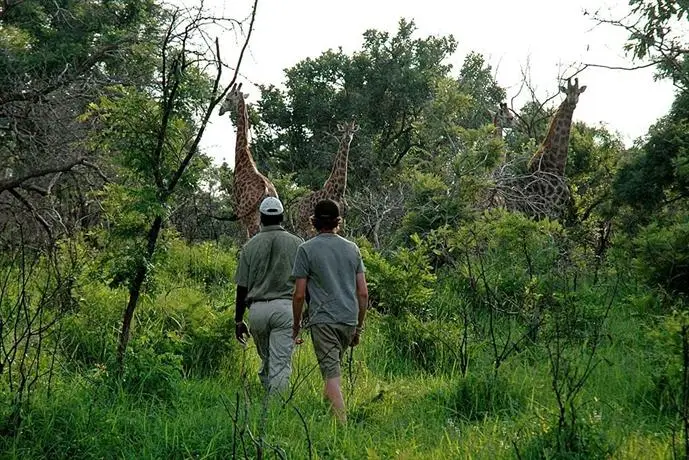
point(333, 392)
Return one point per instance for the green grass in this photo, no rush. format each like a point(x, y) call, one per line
point(392, 414)
point(406, 396)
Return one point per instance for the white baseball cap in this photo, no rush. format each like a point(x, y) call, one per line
point(271, 206)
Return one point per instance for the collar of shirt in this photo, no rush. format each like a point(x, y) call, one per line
point(271, 228)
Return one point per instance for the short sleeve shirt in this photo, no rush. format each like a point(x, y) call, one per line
point(330, 263)
point(266, 262)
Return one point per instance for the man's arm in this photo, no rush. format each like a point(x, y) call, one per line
point(241, 278)
point(298, 304)
point(362, 296)
point(241, 331)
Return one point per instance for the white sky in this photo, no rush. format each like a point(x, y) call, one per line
point(507, 32)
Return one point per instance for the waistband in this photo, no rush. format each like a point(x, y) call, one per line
point(270, 301)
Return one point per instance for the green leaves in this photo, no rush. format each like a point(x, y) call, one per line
point(401, 283)
point(655, 33)
point(386, 86)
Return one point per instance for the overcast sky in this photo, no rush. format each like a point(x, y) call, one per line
point(509, 33)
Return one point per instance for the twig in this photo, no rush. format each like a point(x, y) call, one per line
point(309, 444)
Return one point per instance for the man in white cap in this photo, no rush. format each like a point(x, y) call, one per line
point(264, 284)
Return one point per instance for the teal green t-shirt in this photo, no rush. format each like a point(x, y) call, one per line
point(330, 264)
point(266, 262)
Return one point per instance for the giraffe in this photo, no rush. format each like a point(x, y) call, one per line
point(503, 118)
point(250, 186)
point(333, 188)
point(543, 191)
point(552, 155)
point(547, 185)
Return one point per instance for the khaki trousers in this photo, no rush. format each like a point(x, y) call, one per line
point(270, 324)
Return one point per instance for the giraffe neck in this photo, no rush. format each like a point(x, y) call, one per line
point(337, 182)
point(553, 158)
point(243, 160)
point(498, 128)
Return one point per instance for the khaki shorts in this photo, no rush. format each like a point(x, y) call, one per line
point(330, 342)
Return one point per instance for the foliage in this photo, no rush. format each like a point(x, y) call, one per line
point(428, 346)
point(661, 254)
point(456, 295)
point(505, 253)
point(657, 175)
point(386, 87)
point(187, 324)
point(477, 81)
point(400, 283)
point(591, 168)
point(173, 113)
point(665, 349)
point(184, 370)
point(653, 35)
point(57, 58)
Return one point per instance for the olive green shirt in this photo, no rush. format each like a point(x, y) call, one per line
point(265, 264)
point(330, 264)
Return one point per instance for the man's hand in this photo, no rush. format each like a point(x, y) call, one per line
point(241, 332)
point(356, 338)
point(295, 334)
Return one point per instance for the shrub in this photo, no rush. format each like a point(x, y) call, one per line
point(428, 345)
point(400, 283)
point(89, 333)
point(207, 264)
point(476, 396)
point(661, 255)
point(149, 372)
point(665, 347)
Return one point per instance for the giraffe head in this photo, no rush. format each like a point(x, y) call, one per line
point(348, 129)
point(232, 99)
point(572, 91)
point(504, 117)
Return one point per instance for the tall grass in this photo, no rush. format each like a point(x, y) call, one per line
point(192, 392)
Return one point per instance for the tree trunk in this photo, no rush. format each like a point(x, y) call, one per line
point(135, 289)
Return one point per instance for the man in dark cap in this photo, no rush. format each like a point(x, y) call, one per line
point(332, 270)
point(264, 282)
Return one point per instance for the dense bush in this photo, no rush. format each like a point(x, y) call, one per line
point(400, 283)
point(187, 321)
point(665, 353)
point(661, 254)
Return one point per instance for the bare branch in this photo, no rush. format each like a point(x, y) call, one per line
point(213, 103)
point(16, 182)
point(612, 67)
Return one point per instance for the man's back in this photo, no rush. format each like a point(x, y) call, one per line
point(266, 264)
point(330, 263)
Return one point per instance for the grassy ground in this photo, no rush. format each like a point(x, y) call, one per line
point(406, 395)
point(395, 411)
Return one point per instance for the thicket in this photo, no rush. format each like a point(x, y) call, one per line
point(491, 333)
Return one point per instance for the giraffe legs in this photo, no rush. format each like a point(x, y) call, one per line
point(250, 222)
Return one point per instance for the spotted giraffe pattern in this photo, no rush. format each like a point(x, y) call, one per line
point(333, 188)
point(543, 192)
point(250, 187)
point(547, 166)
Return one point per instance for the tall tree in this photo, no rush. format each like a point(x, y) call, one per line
point(56, 58)
point(385, 86)
point(656, 37)
point(154, 134)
